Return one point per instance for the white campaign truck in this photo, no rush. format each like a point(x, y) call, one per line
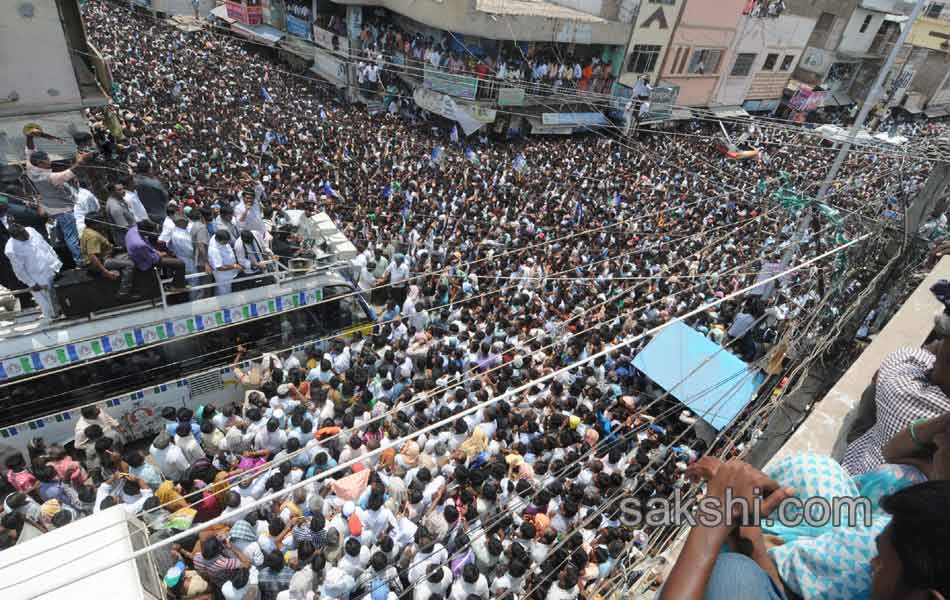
point(50, 566)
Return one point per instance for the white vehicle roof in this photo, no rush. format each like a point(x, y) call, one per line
point(42, 567)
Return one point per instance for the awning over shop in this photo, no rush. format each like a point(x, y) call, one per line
point(535, 8)
point(714, 383)
point(297, 47)
point(678, 114)
point(587, 119)
point(836, 99)
point(935, 112)
point(62, 125)
point(261, 33)
point(539, 128)
point(761, 105)
point(470, 116)
point(221, 12)
point(728, 112)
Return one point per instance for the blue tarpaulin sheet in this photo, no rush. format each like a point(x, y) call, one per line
point(714, 383)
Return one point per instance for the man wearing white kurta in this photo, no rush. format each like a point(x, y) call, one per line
point(35, 264)
point(223, 261)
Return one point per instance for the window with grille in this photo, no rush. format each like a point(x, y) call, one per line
point(770, 61)
point(934, 10)
point(643, 59)
point(787, 62)
point(704, 62)
point(743, 64)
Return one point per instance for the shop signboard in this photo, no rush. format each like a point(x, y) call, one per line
point(508, 96)
point(460, 86)
point(300, 18)
point(662, 99)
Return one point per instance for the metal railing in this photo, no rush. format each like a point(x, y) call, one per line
point(281, 274)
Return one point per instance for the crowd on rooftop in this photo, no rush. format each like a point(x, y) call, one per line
point(496, 263)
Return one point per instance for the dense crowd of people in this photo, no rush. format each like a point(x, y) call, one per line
point(496, 264)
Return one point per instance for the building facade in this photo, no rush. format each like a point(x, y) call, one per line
point(764, 54)
point(653, 23)
point(926, 77)
point(848, 45)
point(695, 57)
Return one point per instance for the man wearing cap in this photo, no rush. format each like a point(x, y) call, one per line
point(184, 583)
point(34, 263)
point(57, 199)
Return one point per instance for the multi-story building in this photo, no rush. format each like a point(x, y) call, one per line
point(699, 43)
point(848, 45)
point(764, 53)
point(50, 72)
point(923, 83)
point(653, 23)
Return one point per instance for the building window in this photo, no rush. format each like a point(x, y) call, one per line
point(787, 62)
point(682, 60)
point(825, 22)
point(770, 61)
point(934, 10)
point(704, 62)
point(743, 64)
point(865, 24)
point(643, 58)
point(819, 37)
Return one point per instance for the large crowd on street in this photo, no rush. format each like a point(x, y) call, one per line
point(529, 265)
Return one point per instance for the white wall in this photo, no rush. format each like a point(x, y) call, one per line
point(34, 59)
point(786, 35)
point(855, 42)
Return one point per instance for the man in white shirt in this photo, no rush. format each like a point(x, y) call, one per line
point(271, 438)
point(436, 583)
point(34, 263)
point(397, 273)
point(169, 457)
point(248, 215)
point(470, 583)
point(222, 259)
point(355, 557)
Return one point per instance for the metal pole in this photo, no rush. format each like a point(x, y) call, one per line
point(873, 95)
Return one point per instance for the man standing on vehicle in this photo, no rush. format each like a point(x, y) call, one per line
point(35, 263)
point(152, 193)
point(56, 199)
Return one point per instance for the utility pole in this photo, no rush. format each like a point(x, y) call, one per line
point(872, 98)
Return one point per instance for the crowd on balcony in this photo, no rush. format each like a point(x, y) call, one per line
point(547, 68)
point(518, 284)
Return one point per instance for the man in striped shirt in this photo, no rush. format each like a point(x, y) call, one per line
point(218, 561)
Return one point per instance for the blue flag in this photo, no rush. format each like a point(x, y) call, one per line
point(268, 138)
point(519, 163)
point(387, 191)
point(266, 94)
point(471, 156)
point(578, 212)
point(328, 189)
point(436, 156)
